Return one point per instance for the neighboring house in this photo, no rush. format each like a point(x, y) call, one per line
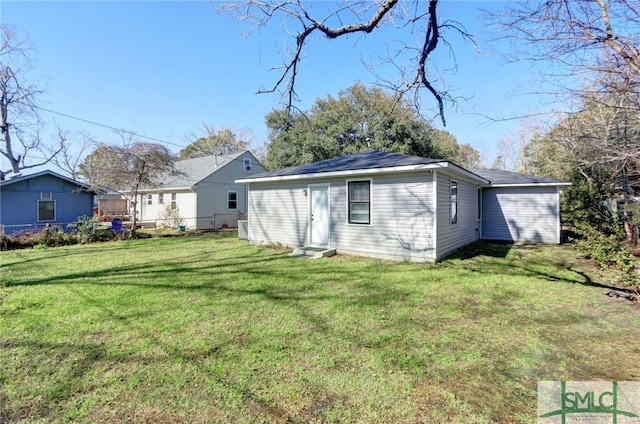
point(203, 192)
point(398, 207)
point(33, 201)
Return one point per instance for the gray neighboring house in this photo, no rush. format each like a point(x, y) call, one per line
point(398, 207)
point(203, 191)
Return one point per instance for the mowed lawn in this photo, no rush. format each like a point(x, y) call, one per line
point(208, 329)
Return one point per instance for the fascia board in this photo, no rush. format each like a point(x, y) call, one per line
point(360, 172)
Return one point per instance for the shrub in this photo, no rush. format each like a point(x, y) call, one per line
point(49, 236)
point(83, 228)
point(607, 250)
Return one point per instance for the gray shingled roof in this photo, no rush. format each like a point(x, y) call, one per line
point(500, 177)
point(365, 160)
point(192, 171)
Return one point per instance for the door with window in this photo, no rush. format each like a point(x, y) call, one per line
point(319, 215)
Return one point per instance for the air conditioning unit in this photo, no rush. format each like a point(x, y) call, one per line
point(243, 229)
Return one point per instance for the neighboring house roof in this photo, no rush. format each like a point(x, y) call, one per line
point(372, 160)
point(501, 178)
point(17, 179)
point(190, 172)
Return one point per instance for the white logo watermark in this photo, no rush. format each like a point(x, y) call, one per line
point(593, 402)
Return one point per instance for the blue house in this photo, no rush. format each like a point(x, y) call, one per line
point(33, 201)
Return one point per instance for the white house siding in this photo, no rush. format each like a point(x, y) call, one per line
point(401, 219)
point(401, 216)
point(451, 237)
point(277, 213)
point(212, 194)
point(185, 202)
point(521, 214)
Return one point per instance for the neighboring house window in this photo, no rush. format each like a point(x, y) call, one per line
point(359, 202)
point(453, 202)
point(479, 203)
point(246, 164)
point(46, 210)
point(149, 199)
point(45, 195)
point(174, 204)
point(161, 198)
point(232, 200)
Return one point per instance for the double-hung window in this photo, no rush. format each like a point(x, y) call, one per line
point(246, 165)
point(232, 200)
point(46, 207)
point(359, 202)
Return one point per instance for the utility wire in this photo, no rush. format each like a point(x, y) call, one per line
point(107, 126)
point(118, 129)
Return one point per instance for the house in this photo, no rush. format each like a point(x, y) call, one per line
point(400, 207)
point(202, 193)
point(33, 201)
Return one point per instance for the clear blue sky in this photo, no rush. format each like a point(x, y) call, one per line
point(163, 69)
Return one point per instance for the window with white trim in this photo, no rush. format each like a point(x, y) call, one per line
point(46, 195)
point(46, 210)
point(174, 204)
point(453, 202)
point(232, 200)
point(246, 164)
point(161, 198)
point(359, 202)
point(149, 199)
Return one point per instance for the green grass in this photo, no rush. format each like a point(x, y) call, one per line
point(211, 329)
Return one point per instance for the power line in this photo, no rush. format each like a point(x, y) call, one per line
point(108, 126)
point(122, 130)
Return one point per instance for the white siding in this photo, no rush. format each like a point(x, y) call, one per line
point(277, 213)
point(185, 201)
point(401, 219)
point(212, 193)
point(451, 237)
point(521, 214)
point(401, 216)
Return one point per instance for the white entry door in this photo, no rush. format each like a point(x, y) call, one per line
point(319, 215)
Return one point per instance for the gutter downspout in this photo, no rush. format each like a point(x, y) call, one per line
point(434, 182)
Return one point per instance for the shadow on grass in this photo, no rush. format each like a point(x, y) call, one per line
point(493, 259)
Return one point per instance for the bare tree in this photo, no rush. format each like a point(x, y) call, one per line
point(358, 17)
point(74, 146)
point(20, 124)
point(590, 46)
point(223, 140)
point(601, 143)
point(128, 168)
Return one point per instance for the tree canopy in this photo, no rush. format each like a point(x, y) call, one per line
point(217, 141)
point(358, 119)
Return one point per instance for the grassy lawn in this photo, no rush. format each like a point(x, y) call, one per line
point(211, 329)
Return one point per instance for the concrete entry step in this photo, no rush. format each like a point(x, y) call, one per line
point(312, 252)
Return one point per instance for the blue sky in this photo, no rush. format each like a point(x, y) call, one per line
point(163, 69)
